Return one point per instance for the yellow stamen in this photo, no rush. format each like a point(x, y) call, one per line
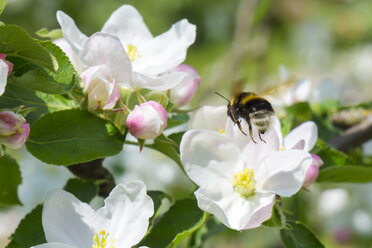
point(102, 242)
point(222, 131)
point(281, 148)
point(244, 183)
point(132, 52)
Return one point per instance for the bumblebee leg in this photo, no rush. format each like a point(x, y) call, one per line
point(259, 135)
point(240, 128)
point(250, 131)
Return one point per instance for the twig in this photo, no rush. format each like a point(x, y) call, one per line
point(228, 68)
point(94, 170)
point(354, 136)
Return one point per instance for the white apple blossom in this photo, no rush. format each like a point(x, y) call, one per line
point(147, 121)
point(237, 178)
point(5, 69)
point(303, 138)
point(121, 223)
point(147, 58)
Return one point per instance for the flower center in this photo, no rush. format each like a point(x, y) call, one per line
point(244, 183)
point(133, 53)
point(281, 148)
point(222, 131)
point(100, 240)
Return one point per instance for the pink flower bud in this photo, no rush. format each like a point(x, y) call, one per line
point(183, 93)
point(101, 89)
point(147, 121)
point(14, 129)
point(313, 171)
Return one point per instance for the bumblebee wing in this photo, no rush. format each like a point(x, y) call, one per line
point(279, 89)
point(237, 86)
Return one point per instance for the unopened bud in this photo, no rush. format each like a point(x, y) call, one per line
point(147, 121)
point(313, 171)
point(14, 129)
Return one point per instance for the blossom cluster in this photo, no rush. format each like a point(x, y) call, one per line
point(125, 55)
point(238, 178)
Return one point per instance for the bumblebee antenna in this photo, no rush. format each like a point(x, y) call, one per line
point(222, 96)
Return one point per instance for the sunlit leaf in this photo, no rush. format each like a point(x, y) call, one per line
point(183, 218)
point(297, 235)
point(14, 41)
point(73, 136)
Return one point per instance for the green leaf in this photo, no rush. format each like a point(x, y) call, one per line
point(157, 197)
point(297, 235)
point(176, 137)
point(346, 174)
point(2, 5)
point(14, 41)
point(66, 72)
point(330, 156)
point(167, 149)
point(176, 119)
point(29, 231)
point(211, 226)
point(84, 190)
point(183, 218)
point(12, 244)
point(15, 96)
point(73, 136)
point(45, 80)
point(10, 178)
point(300, 111)
point(52, 34)
point(277, 219)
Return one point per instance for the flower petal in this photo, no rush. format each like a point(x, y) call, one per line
point(307, 131)
point(67, 220)
point(252, 152)
point(128, 25)
point(54, 245)
point(209, 118)
point(233, 210)
point(162, 82)
point(168, 49)
point(71, 32)
point(113, 97)
point(278, 128)
point(126, 214)
point(3, 75)
point(104, 49)
point(208, 155)
point(283, 172)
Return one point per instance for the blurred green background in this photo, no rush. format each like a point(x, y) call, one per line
point(316, 39)
point(322, 40)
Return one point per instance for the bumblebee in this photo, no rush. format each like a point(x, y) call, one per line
point(253, 109)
